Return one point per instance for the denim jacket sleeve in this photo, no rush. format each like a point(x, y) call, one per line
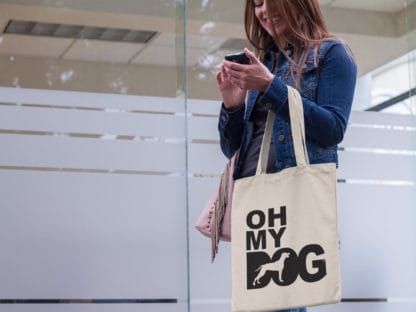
point(327, 118)
point(231, 127)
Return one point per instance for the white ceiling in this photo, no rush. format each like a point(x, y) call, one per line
point(203, 38)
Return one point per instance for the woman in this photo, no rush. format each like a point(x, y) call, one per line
point(292, 47)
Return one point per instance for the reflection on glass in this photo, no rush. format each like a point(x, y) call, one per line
point(101, 46)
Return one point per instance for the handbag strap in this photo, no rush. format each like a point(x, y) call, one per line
point(297, 125)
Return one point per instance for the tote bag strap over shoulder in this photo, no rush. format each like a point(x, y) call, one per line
point(297, 124)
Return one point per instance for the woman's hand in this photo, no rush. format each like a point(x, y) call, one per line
point(232, 95)
point(255, 76)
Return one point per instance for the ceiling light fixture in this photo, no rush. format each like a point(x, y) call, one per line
point(31, 28)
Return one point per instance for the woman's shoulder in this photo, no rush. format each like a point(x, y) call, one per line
point(336, 48)
point(329, 42)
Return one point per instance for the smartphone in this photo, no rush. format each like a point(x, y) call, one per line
point(238, 58)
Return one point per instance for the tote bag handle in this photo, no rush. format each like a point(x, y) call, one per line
point(297, 125)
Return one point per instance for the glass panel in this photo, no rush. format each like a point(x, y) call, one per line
point(91, 102)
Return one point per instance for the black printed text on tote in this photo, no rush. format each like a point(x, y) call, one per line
point(285, 265)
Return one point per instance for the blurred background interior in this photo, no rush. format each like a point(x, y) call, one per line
point(109, 149)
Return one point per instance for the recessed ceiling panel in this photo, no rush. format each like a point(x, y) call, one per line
point(35, 28)
point(33, 46)
point(101, 51)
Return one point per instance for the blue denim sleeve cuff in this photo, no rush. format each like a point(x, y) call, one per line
point(231, 126)
point(230, 116)
point(275, 95)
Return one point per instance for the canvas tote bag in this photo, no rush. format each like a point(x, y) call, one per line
point(285, 247)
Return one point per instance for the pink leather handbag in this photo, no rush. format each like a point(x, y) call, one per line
point(215, 218)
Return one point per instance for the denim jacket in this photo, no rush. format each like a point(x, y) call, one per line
point(327, 90)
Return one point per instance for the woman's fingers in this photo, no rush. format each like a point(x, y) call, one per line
point(235, 70)
point(224, 72)
point(222, 75)
point(231, 74)
point(234, 66)
point(236, 82)
point(234, 74)
point(252, 76)
point(219, 78)
point(253, 59)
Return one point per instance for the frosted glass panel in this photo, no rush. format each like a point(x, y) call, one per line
point(93, 163)
point(342, 307)
point(368, 307)
point(209, 281)
point(377, 240)
point(80, 121)
point(179, 307)
point(104, 154)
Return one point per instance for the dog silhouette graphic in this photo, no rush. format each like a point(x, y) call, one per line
point(276, 266)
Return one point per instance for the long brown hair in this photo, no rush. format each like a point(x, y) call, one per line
point(306, 28)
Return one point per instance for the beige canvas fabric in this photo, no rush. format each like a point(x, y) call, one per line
point(285, 246)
